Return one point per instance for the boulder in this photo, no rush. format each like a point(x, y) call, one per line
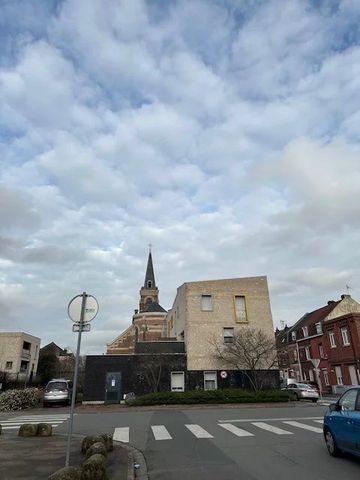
point(108, 439)
point(66, 473)
point(44, 430)
point(28, 430)
point(90, 440)
point(98, 447)
point(94, 468)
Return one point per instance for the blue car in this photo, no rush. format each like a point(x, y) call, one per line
point(342, 424)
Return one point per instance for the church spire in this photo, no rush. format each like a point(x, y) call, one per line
point(149, 276)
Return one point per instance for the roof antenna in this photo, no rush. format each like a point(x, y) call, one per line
point(282, 324)
point(348, 287)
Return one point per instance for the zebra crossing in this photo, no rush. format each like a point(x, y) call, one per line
point(14, 423)
point(160, 432)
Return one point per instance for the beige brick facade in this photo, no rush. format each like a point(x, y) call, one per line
point(198, 328)
point(19, 353)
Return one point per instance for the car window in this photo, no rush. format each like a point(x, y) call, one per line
point(292, 385)
point(348, 401)
point(56, 386)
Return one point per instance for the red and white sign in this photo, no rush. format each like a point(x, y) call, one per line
point(223, 374)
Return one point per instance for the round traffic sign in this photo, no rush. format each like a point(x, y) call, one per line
point(223, 374)
point(90, 311)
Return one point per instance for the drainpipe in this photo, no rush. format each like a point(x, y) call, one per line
point(299, 363)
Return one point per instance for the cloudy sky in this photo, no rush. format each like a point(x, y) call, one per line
point(224, 132)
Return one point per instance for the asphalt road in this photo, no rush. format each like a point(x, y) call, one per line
point(218, 443)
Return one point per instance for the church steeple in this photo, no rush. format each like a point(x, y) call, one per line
point(149, 293)
point(149, 276)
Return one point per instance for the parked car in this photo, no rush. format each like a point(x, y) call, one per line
point(302, 391)
point(58, 390)
point(342, 424)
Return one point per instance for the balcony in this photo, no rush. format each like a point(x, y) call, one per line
point(25, 354)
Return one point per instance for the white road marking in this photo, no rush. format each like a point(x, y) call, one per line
point(160, 432)
point(271, 428)
point(245, 420)
point(121, 434)
point(198, 431)
point(304, 426)
point(239, 432)
point(319, 421)
point(14, 427)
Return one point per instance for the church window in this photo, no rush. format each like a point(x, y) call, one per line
point(149, 300)
point(206, 303)
point(149, 284)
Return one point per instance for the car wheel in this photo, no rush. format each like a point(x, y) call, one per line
point(296, 397)
point(331, 444)
point(314, 400)
point(45, 405)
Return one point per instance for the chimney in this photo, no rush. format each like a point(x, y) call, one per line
point(345, 296)
point(136, 311)
point(330, 302)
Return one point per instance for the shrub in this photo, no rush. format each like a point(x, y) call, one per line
point(19, 399)
point(211, 396)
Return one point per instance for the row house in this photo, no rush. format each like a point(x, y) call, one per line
point(323, 346)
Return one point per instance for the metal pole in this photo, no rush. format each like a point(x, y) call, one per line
point(73, 397)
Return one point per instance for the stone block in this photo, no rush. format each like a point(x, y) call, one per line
point(44, 430)
point(66, 473)
point(90, 440)
point(28, 430)
point(98, 447)
point(94, 468)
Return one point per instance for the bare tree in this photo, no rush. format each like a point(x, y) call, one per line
point(250, 350)
point(152, 370)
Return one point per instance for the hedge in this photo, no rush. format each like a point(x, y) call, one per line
point(19, 399)
point(211, 396)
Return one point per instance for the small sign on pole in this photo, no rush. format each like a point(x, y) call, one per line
point(81, 310)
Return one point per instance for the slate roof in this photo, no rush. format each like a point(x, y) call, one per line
point(154, 307)
point(149, 275)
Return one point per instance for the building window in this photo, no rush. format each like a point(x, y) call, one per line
point(210, 381)
point(24, 366)
point(177, 381)
point(240, 308)
point(295, 355)
point(293, 336)
point(149, 284)
point(318, 327)
point(326, 377)
point(321, 351)
point(339, 377)
point(8, 365)
point(332, 339)
point(228, 335)
point(307, 353)
point(305, 331)
point(206, 303)
point(345, 336)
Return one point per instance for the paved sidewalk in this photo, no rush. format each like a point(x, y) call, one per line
point(35, 458)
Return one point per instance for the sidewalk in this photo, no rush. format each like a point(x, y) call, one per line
point(35, 458)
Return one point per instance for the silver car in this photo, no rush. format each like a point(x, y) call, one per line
point(302, 391)
point(58, 390)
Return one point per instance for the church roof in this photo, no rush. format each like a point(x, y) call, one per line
point(154, 307)
point(149, 276)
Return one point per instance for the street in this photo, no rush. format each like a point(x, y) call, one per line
point(214, 443)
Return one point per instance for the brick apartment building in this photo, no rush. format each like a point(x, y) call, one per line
point(324, 345)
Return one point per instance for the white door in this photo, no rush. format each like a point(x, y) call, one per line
point(210, 381)
point(353, 377)
point(311, 375)
point(339, 377)
point(177, 381)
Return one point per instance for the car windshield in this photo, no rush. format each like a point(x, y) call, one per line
point(56, 386)
point(304, 385)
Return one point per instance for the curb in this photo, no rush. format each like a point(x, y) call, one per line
point(137, 468)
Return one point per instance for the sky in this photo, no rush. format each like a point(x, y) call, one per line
point(223, 132)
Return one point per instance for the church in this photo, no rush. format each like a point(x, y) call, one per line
point(148, 321)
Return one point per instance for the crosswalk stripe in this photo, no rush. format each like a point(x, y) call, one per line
point(198, 431)
point(239, 432)
point(160, 432)
point(14, 427)
point(271, 428)
point(29, 422)
point(121, 434)
point(319, 421)
point(304, 426)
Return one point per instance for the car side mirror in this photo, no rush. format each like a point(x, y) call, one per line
point(334, 407)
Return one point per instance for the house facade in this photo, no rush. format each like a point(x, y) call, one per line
point(323, 346)
point(19, 355)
